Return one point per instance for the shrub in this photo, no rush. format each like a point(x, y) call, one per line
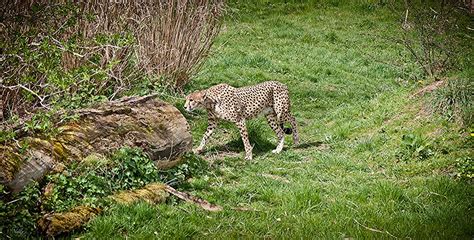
point(18, 214)
point(433, 35)
point(85, 183)
point(72, 53)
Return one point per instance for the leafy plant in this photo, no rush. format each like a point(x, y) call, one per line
point(193, 166)
point(131, 169)
point(85, 183)
point(414, 146)
point(465, 168)
point(77, 185)
point(39, 123)
point(18, 213)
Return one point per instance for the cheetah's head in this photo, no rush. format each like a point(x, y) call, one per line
point(195, 100)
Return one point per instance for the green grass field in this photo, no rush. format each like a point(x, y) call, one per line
point(351, 96)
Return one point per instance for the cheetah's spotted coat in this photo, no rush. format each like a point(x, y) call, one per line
point(239, 104)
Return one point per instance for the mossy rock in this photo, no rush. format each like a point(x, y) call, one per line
point(146, 122)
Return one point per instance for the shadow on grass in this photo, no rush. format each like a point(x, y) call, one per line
point(314, 144)
point(235, 147)
point(260, 146)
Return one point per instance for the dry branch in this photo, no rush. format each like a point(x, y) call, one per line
point(192, 199)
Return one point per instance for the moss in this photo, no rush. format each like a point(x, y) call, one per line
point(151, 193)
point(71, 127)
point(73, 131)
point(57, 223)
point(10, 162)
point(59, 150)
point(160, 127)
point(38, 143)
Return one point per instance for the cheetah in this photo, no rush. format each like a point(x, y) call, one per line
point(237, 105)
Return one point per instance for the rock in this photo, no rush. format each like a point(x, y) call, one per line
point(146, 122)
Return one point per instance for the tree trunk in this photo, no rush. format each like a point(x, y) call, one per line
point(146, 122)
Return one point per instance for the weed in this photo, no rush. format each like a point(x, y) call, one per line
point(414, 146)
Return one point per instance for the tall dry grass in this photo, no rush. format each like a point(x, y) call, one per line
point(168, 40)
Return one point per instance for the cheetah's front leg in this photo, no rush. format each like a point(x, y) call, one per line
point(245, 139)
point(211, 125)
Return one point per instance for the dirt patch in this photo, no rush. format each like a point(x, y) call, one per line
point(433, 86)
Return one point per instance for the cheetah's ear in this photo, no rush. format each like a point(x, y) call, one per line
point(207, 97)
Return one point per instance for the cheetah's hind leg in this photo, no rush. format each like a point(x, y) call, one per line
point(296, 138)
point(272, 121)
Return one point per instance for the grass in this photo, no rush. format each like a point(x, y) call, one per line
point(351, 98)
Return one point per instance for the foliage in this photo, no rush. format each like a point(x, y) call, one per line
point(85, 183)
point(455, 100)
point(414, 146)
point(132, 169)
point(18, 214)
point(194, 166)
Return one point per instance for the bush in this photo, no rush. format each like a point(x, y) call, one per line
point(85, 183)
point(434, 35)
point(73, 53)
point(18, 214)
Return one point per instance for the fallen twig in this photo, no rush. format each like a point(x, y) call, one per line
point(192, 199)
point(373, 229)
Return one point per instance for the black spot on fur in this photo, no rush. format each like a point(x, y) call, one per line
point(286, 130)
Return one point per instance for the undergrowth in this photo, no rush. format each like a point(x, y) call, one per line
point(85, 183)
point(455, 101)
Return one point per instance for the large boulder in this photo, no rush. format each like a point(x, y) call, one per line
point(146, 122)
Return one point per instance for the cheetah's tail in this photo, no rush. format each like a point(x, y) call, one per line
point(287, 131)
